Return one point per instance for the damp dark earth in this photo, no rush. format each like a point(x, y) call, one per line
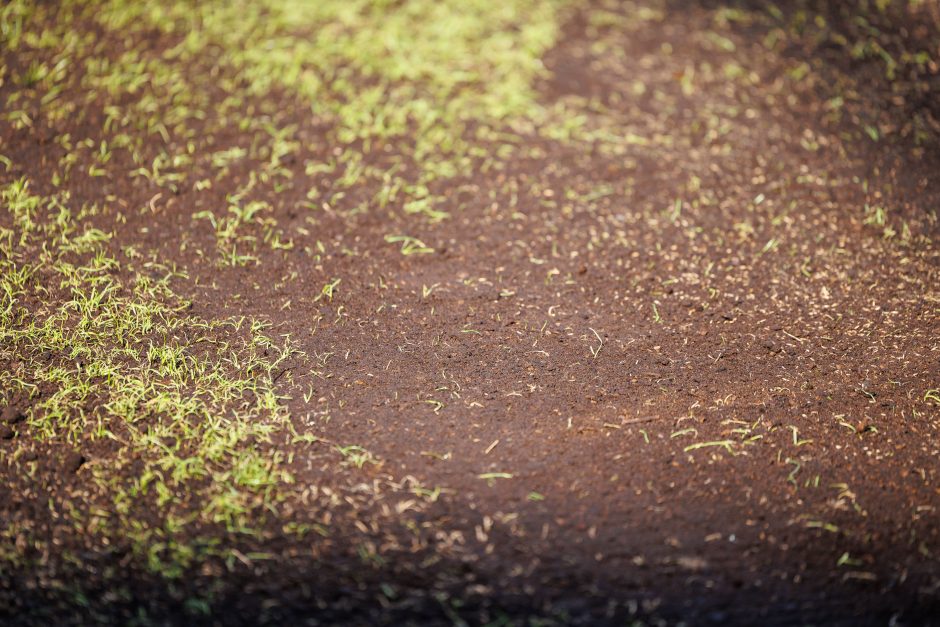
point(433, 312)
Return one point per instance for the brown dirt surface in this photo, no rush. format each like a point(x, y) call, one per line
point(657, 343)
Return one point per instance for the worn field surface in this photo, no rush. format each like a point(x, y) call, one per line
point(431, 312)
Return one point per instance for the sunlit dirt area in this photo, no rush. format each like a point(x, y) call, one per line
point(530, 312)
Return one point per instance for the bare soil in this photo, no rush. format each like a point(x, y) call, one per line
point(701, 395)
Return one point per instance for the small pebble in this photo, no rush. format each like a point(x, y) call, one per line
point(11, 415)
point(73, 462)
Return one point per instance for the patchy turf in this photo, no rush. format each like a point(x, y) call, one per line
point(538, 312)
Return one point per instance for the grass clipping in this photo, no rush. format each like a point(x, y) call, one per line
point(106, 357)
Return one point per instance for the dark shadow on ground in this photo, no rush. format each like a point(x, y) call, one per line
point(893, 51)
point(428, 587)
